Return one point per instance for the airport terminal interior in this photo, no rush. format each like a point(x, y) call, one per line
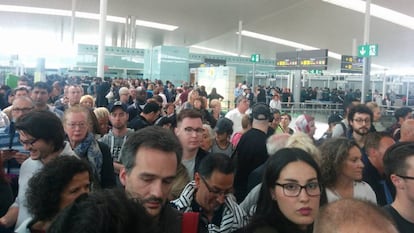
point(327, 84)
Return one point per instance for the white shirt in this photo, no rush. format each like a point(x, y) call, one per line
point(362, 191)
point(236, 117)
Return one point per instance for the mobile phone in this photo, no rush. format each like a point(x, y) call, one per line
point(9, 150)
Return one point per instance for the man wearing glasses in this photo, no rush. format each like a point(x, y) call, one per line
point(210, 194)
point(360, 119)
point(12, 152)
point(399, 168)
point(189, 131)
point(43, 145)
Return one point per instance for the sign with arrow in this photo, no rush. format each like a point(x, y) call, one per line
point(368, 50)
point(255, 58)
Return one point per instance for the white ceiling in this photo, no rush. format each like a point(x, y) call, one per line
point(214, 23)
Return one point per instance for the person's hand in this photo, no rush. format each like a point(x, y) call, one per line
point(7, 154)
point(3, 222)
point(20, 157)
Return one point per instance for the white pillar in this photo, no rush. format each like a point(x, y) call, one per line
point(367, 60)
point(72, 22)
point(239, 42)
point(101, 46)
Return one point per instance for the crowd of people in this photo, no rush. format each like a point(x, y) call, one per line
point(141, 156)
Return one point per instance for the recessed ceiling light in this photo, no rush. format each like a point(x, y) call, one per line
point(215, 50)
point(376, 11)
point(84, 15)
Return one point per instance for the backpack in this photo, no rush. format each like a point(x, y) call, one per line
point(345, 133)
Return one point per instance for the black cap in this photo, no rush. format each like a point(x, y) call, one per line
point(334, 118)
point(119, 104)
point(224, 125)
point(261, 112)
point(151, 107)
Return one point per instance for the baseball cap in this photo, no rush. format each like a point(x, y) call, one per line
point(151, 107)
point(334, 118)
point(119, 104)
point(261, 112)
point(224, 125)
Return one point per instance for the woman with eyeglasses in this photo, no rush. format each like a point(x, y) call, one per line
point(342, 171)
point(290, 195)
point(77, 123)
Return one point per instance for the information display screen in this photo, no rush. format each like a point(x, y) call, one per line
point(351, 64)
point(302, 60)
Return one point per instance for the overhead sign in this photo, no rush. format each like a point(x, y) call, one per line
point(302, 60)
point(368, 50)
point(351, 64)
point(255, 58)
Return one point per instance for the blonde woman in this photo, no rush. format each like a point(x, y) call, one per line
point(87, 101)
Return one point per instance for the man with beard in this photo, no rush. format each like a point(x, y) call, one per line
point(150, 158)
point(44, 146)
point(40, 95)
point(360, 119)
point(117, 136)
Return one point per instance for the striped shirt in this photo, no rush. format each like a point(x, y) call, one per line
point(233, 216)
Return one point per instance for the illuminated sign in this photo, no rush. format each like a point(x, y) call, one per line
point(302, 60)
point(351, 64)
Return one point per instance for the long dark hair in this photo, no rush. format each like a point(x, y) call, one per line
point(268, 212)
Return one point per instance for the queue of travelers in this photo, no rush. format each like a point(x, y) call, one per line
point(141, 156)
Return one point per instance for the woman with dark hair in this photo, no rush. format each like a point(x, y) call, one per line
point(214, 95)
point(53, 188)
point(6, 196)
point(199, 104)
point(290, 195)
point(342, 171)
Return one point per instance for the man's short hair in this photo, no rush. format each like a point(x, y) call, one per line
point(42, 85)
point(373, 139)
point(240, 99)
point(188, 113)
point(286, 114)
point(215, 162)
point(106, 211)
point(402, 112)
point(43, 124)
point(395, 158)
point(345, 214)
point(151, 107)
point(360, 108)
point(21, 88)
point(153, 137)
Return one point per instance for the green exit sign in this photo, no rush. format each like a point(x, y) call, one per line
point(315, 71)
point(368, 50)
point(255, 58)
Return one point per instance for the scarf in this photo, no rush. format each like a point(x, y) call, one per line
point(89, 149)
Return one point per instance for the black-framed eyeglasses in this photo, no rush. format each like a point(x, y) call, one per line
point(24, 110)
point(190, 130)
point(359, 120)
point(29, 142)
point(313, 189)
point(406, 177)
point(216, 191)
